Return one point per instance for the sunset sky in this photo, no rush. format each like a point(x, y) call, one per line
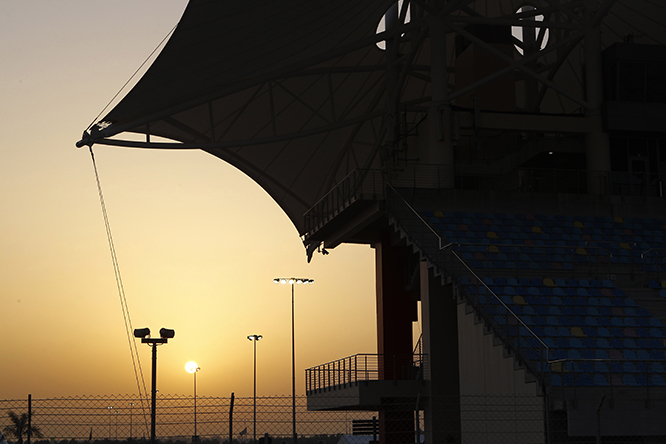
point(198, 242)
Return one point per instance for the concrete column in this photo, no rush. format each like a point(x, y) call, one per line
point(597, 147)
point(440, 344)
point(440, 116)
point(396, 310)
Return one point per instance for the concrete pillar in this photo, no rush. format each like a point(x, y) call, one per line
point(440, 116)
point(396, 310)
point(597, 146)
point(439, 317)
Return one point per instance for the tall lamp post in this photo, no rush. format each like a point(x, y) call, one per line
point(193, 368)
point(255, 339)
point(131, 411)
point(116, 412)
point(165, 335)
point(293, 281)
point(110, 409)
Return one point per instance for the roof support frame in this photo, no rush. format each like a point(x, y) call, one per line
point(514, 64)
point(239, 143)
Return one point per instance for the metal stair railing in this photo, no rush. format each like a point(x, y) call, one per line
point(529, 349)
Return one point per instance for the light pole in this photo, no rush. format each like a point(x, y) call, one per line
point(293, 281)
point(110, 409)
point(255, 339)
point(116, 412)
point(165, 335)
point(193, 368)
point(131, 408)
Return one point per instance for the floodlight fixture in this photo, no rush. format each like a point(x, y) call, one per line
point(141, 332)
point(167, 333)
point(254, 337)
point(292, 281)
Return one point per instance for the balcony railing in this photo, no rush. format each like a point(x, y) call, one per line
point(358, 185)
point(364, 367)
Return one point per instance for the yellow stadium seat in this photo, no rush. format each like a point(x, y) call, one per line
point(557, 367)
point(578, 332)
point(519, 300)
point(548, 282)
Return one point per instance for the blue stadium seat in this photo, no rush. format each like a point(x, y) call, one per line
point(600, 367)
point(600, 380)
point(602, 354)
point(657, 380)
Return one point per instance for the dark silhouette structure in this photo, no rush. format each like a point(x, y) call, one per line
point(506, 160)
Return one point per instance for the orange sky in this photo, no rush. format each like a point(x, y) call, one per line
point(197, 241)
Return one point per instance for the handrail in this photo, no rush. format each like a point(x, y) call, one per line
point(353, 185)
point(650, 251)
point(365, 367)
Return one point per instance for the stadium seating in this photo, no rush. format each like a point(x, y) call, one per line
point(595, 334)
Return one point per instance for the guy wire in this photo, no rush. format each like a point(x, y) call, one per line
point(121, 293)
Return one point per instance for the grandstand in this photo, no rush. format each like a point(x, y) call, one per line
point(506, 160)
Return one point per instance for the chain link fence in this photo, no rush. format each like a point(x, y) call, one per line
point(513, 419)
point(119, 418)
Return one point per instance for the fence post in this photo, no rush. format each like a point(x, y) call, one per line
point(29, 431)
point(231, 419)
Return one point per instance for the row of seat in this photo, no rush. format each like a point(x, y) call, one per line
point(598, 221)
point(656, 285)
point(624, 240)
point(544, 296)
point(602, 380)
point(575, 344)
point(562, 241)
point(600, 324)
point(608, 366)
point(555, 327)
point(591, 233)
point(543, 282)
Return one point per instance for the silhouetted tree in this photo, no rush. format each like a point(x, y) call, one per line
point(19, 427)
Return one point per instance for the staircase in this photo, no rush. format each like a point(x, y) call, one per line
point(517, 340)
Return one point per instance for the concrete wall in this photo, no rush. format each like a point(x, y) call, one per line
point(496, 402)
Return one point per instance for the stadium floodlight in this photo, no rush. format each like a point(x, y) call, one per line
point(141, 332)
point(255, 339)
point(293, 281)
point(165, 335)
